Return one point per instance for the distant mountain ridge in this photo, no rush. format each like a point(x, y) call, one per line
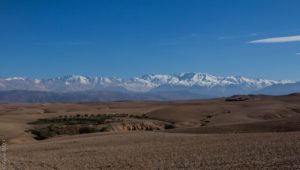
point(76, 88)
point(281, 89)
point(136, 84)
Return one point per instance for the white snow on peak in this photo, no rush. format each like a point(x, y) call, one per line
point(77, 78)
point(37, 81)
point(15, 78)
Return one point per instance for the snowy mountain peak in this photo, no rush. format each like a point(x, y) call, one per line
point(15, 78)
point(77, 79)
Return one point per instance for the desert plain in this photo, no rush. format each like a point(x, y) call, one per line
point(239, 132)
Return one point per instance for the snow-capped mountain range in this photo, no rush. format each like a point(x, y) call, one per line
point(181, 86)
point(146, 83)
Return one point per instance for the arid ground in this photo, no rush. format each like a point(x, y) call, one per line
point(241, 132)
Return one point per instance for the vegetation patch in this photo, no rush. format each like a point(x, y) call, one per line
point(45, 132)
point(78, 119)
point(78, 124)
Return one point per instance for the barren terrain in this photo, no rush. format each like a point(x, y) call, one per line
point(241, 132)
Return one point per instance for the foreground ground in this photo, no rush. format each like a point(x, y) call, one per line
point(243, 132)
point(153, 150)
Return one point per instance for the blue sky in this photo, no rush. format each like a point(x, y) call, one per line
point(127, 38)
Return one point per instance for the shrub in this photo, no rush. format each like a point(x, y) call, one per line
point(86, 130)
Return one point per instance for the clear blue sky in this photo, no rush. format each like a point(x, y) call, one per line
point(48, 38)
